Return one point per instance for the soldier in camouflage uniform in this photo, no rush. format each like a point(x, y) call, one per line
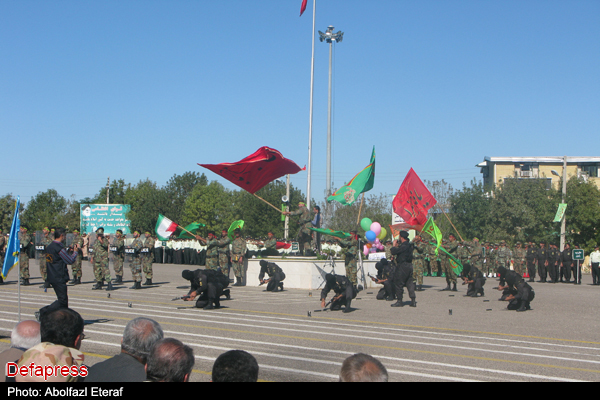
point(475, 253)
point(388, 249)
point(270, 245)
point(100, 261)
point(224, 253)
point(136, 261)
point(304, 236)
point(419, 251)
point(503, 256)
point(41, 255)
point(462, 253)
point(351, 246)
point(451, 247)
point(119, 256)
point(212, 250)
point(519, 256)
point(147, 258)
point(25, 242)
point(76, 266)
point(238, 252)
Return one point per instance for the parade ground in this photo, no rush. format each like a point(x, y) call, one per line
point(447, 337)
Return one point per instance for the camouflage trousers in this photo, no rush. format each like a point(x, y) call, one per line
point(224, 264)
point(136, 269)
point(76, 267)
point(238, 266)
point(147, 266)
point(304, 240)
point(351, 270)
point(101, 271)
point(212, 263)
point(23, 266)
point(448, 271)
point(118, 264)
point(520, 266)
point(418, 269)
point(42, 263)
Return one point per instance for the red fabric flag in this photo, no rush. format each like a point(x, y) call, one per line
point(257, 170)
point(413, 200)
point(303, 7)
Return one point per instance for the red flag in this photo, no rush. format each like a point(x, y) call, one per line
point(413, 200)
point(303, 7)
point(257, 170)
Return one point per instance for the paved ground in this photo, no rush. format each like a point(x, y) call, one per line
point(559, 339)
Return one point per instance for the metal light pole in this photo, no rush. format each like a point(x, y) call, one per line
point(563, 223)
point(310, 112)
point(329, 37)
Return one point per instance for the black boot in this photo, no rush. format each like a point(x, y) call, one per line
point(454, 286)
point(398, 304)
point(109, 287)
point(136, 285)
point(227, 294)
point(447, 288)
point(208, 306)
point(281, 286)
point(148, 282)
point(98, 285)
point(77, 281)
point(413, 303)
point(119, 279)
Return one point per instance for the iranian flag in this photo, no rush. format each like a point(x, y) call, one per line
point(164, 227)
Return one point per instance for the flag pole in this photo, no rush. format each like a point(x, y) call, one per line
point(310, 118)
point(360, 208)
point(260, 198)
point(444, 212)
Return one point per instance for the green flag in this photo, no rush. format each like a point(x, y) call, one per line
point(431, 228)
point(339, 234)
point(193, 227)
point(562, 207)
point(362, 182)
point(454, 263)
point(234, 225)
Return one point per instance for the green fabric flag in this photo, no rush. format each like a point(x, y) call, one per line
point(562, 207)
point(234, 225)
point(362, 182)
point(193, 227)
point(330, 232)
point(454, 263)
point(431, 228)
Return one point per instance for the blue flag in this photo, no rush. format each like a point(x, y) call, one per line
point(12, 249)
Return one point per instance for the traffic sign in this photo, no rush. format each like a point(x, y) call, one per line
point(578, 254)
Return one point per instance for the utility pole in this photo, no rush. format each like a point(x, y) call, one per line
point(107, 189)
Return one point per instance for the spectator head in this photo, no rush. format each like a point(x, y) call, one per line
point(62, 327)
point(139, 336)
point(363, 368)
point(235, 366)
point(25, 334)
point(59, 232)
point(169, 361)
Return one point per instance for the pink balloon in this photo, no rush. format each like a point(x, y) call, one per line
point(376, 227)
point(365, 249)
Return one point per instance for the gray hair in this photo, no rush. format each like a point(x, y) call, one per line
point(26, 334)
point(363, 368)
point(140, 335)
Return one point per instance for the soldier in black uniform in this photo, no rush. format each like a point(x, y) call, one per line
point(474, 278)
point(402, 252)
point(385, 274)
point(542, 261)
point(343, 289)
point(276, 276)
point(209, 285)
point(531, 257)
point(516, 291)
point(553, 255)
point(566, 259)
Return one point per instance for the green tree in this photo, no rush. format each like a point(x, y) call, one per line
point(469, 211)
point(377, 208)
point(7, 211)
point(209, 204)
point(177, 189)
point(45, 209)
point(147, 200)
point(583, 213)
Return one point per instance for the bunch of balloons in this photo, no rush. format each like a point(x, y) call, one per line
point(374, 233)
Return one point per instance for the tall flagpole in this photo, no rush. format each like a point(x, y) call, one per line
point(310, 123)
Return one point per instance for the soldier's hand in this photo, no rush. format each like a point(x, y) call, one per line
point(322, 303)
point(190, 297)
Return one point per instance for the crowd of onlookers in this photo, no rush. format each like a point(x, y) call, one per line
point(49, 351)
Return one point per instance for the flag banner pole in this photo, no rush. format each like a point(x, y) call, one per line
point(360, 208)
point(260, 198)
point(461, 239)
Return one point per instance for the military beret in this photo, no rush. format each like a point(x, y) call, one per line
point(100, 230)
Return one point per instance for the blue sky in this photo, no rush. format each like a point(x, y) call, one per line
point(148, 89)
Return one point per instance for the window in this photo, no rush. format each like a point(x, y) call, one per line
point(591, 169)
